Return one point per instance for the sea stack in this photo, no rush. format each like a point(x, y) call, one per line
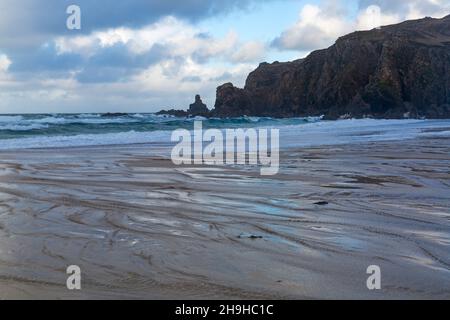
point(198, 108)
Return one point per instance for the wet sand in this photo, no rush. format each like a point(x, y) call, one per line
point(141, 228)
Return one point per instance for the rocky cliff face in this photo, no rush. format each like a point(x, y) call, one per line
point(396, 71)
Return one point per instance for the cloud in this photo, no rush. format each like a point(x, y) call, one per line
point(320, 25)
point(40, 20)
point(411, 9)
point(139, 53)
point(316, 28)
point(191, 79)
point(252, 51)
point(224, 77)
point(45, 59)
point(177, 37)
point(4, 63)
point(158, 63)
point(117, 63)
point(372, 17)
point(117, 54)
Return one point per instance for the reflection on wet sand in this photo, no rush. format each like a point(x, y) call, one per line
point(141, 228)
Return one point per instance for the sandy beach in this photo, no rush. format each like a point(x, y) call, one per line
point(139, 227)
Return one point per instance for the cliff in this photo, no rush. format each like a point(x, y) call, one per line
point(395, 71)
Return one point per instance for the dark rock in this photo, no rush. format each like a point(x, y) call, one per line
point(252, 237)
point(232, 102)
point(173, 112)
point(114, 115)
point(395, 71)
point(198, 108)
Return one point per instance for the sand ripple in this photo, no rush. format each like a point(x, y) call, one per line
point(140, 228)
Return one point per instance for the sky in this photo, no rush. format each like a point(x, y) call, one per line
point(148, 55)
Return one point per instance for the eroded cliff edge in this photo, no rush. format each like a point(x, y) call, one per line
point(395, 71)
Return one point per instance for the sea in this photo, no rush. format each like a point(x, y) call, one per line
point(27, 131)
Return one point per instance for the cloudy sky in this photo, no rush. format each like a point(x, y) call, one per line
point(145, 55)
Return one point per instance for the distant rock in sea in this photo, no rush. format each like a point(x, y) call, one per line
point(198, 108)
point(173, 112)
point(395, 71)
point(113, 115)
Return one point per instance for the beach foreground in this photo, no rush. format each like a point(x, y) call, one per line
point(139, 227)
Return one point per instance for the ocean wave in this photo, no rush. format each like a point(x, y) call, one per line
point(19, 127)
point(84, 120)
point(86, 130)
point(138, 118)
point(82, 140)
point(9, 119)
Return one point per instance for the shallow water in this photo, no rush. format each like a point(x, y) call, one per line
point(141, 228)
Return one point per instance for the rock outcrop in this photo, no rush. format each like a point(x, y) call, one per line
point(395, 71)
point(113, 115)
point(198, 108)
point(173, 113)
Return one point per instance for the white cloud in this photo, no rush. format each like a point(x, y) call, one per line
point(319, 26)
point(373, 17)
point(188, 52)
point(316, 28)
point(5, 62)
point(252, 51)
point(433, 8)
point(179, 38)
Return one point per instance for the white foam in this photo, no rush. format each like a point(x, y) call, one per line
point(9, 119)
point(84, 120)
point(122, 138)
point(356, 131)
point(19, 127)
